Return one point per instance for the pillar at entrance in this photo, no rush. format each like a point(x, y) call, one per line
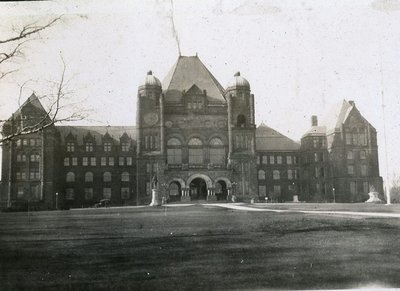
point(155, 199)
point(211, 195)
point(185, 195)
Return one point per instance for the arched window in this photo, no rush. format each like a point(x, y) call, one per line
point(276, 175)
point(350, 155)
point(195, 151)
point(174, 151)
point(125, 177)
point(261, 175)
point(217, 151)
point(107, 177)
point(70, 177)
point(88, 177)
point(241, 120)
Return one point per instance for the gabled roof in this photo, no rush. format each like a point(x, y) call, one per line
point(337, 115)
point(98, 132)
point(268, 139)
point(316, 131)
point(34, 101)
point(189, 71)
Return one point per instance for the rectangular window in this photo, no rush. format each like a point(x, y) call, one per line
point(348, 138)
point(271, 160)
point(195, 156)
point(217, 156)
point(34, 174)
point(258, 160)
point(174, 156)
point(279, 160)
point(85, 161)
point(69, 194)
point(103, 161)
point(107, 193)
point(350, 169)
point(93, 161)
point(111, 161)
point(353, 188)
point(277, 189)
point(265, 160)
point(129, 161)
point(148, 168)
point(107, 147)
point(121, 161)
point(88, 193)
point(70, 147)
point(32, 142)
point(363, 169)
point(74, 161)
point(125, 193)
point(316, 172)
point(18, 142)
point(20, 192)
point(262, 190)
point(89, 147)
point(315, 142)
point(25, 142)
point(125, 146)
point(290, 174)
point(295, 174)
point(289, 160)
point(148, 188)
point(66, 161)
point(365, 187)
point(315, 157)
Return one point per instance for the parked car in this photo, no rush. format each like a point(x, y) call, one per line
point(103, 203)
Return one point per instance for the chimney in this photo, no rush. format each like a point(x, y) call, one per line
point(351, 102)
point(314, 120)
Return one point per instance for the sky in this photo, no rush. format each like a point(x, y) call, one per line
point(300, 57)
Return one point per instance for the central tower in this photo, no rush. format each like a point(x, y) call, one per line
point(196, 137)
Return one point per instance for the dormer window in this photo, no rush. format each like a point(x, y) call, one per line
point(70, 147)
point(89, 147)
point(107, 146)
point(125, 146)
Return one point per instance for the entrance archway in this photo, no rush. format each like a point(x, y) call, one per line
point(221, 190)
point(174, 191)
point(198, 189)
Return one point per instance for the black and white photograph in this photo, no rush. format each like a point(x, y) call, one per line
point(200, 145)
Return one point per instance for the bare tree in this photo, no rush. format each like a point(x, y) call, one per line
point(19, 124)
point(395, 190)
point(12, 48)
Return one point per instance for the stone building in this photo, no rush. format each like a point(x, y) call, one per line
point(194, 140)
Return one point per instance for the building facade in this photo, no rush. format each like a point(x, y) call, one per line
point(193, 140)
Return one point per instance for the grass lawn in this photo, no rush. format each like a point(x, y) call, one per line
point(197, 247)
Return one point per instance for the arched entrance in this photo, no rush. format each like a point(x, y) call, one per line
point(221, 190)
point(198, 189)
point(174, 191)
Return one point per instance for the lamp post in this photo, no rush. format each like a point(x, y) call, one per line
point(334, 196)
point(57, 200)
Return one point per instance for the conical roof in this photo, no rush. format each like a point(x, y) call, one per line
point(189, 71)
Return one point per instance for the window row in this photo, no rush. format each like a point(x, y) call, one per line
point(356, 137)
point(124, 192)
point(363, 170)
point(243, 141)
point(353, 187)
point(276, 190)
point(33, 191)
point(107, 177)
point(22, 157)
point(272, 160)
point(104, 161)
point(351, 155)
point(29, 142)
point(90, 146)
point(34, 174)
point(276, 175)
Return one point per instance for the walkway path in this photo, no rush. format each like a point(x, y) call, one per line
point(239, 206)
